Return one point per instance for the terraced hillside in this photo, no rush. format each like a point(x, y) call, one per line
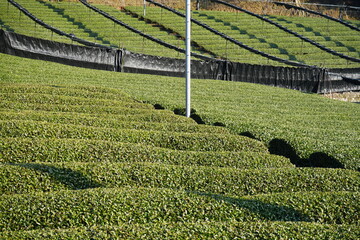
point(220, 47)
point(75, 18)
point(91, 162)
point(266, 37)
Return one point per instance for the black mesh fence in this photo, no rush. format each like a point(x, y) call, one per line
point(53, 29)
point(316, 80)
point(75, 55)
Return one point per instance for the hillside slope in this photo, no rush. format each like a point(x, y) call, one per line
point(74, 18)
point(90, 162)
point(307, 128)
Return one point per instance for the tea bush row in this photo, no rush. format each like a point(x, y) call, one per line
point(15, 105)
point(82, 208)
point(172, 140)
point(23, 150)
point(39, 98)
point(158, 116)
point(109, 122)
point(261, 111)
point(30, 177)
point(195, 230)
point(67, 90)
point(94, 27)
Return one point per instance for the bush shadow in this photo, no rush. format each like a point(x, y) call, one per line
point(317, 159)
point(249, 135)
point(267, 211)
point(72, 179)
point(196, 117)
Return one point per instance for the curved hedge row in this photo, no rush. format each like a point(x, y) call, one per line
point(160, 116)
point(28, 177)
point(331, 142)
point(108, 122)
point(28, 150)
point(179, 141)
point(82, 208)
point(196, 230)
point(40, 98)
point(15, 105)
point(68, 90)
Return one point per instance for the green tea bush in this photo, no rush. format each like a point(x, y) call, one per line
point(68, 90)
point(264, 112)
point(82, 208)
point(22, 150)
point(110, 121)
point(90, 162)
point(38, 98)
point(15, 105)
point(75, 18)
point(195, 230)
point(28, 177)
point(179, 141)
point(158, 116)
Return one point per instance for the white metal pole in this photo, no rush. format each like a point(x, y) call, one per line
point(188, 56)
point(144, 8)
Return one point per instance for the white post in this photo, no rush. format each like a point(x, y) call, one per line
point(144, 8)
point(188, 56)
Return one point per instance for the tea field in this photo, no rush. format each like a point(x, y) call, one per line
point(84, 154)
point(89, 154)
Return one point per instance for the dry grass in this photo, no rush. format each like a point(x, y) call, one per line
point(345, 96)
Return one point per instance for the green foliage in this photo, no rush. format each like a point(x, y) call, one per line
point(82, 208)
point(22, 150)
point(77, 19)
point(110, 121)
point(265, 37)
point(125, 110)
point(29, 177)
point(194, 230)
point(80, 160)
point(308, 123)
point(37, 98)
point(68, 90)
point(172, 140)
